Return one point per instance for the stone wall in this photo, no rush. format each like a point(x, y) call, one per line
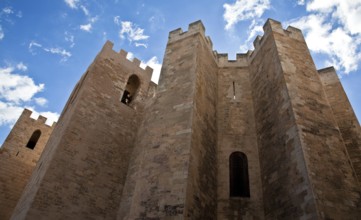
point(17, 161)
point(83, 177)
point(332, 179)
point(163, 174)
point(236, 132)
point(287, 192)
point(344, 116)
point(201, 195)
point(166, 154)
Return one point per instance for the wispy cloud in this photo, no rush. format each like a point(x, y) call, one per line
point(84, 9)
point(2, 35)
point(117, 20)
point(21, 66)
point(6, 17)
point(8, 10)
point(41, 101)
point(244, 10)
point(60, 51)
point(86, 27)
point(141, 45)
point(131, 32)
point(72, 3)
point(256, 28)
point(53, 50)
point(69, 38)
point(300, 2)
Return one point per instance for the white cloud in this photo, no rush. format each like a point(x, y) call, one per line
point(53, 50)
point(117, 20)
point(141, 45)
point(21, 66)
point(19, 14)
point(51, 116)
point(130, 56)
point(69, 38)
point(9, 113)
point(93, 19)
point(348, 12)
point(339, 45)
point(84, 9)
point(2, 35)
point(301, 2)
point(131, 32)
point(41, 101)
point(72, 3)
point(256, 28)
point(34, 44)
point(8, 10)
point(60, 51)
point(155, 65)
point(16, 91)
point(16, 88)
point(244, 10)
point(86, 27)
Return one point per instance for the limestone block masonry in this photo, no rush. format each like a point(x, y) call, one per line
point(18, 158)
point(265, 136)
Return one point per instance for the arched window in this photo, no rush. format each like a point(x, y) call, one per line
point(130, 89)
point(238, 175)
point(33, 139)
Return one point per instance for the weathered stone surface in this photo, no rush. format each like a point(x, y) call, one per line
point(17, 161)
point(166, 154)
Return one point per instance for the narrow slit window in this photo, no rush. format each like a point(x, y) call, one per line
point(238, 173)
point(130, 89)
point(33, 139)
point(234, 91)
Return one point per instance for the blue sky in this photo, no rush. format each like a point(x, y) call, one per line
point(45, 46)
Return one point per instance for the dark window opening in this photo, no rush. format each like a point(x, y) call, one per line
point(130, 90)
point(33, 139)
point(234, 91)
point(127, 98)
point(238, 173)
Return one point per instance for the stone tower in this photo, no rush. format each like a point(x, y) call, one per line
point(265, 136)
point(18, 157)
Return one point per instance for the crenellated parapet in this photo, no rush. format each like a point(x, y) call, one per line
point(26, 114)
point(193, 28)
point(107, 52)
point(271, 26)
point(223, 61)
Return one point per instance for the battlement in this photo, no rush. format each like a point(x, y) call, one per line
point(273, 26)
point(26, 114)
point(196, 27)
point(108, 52)
point(223, 61)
